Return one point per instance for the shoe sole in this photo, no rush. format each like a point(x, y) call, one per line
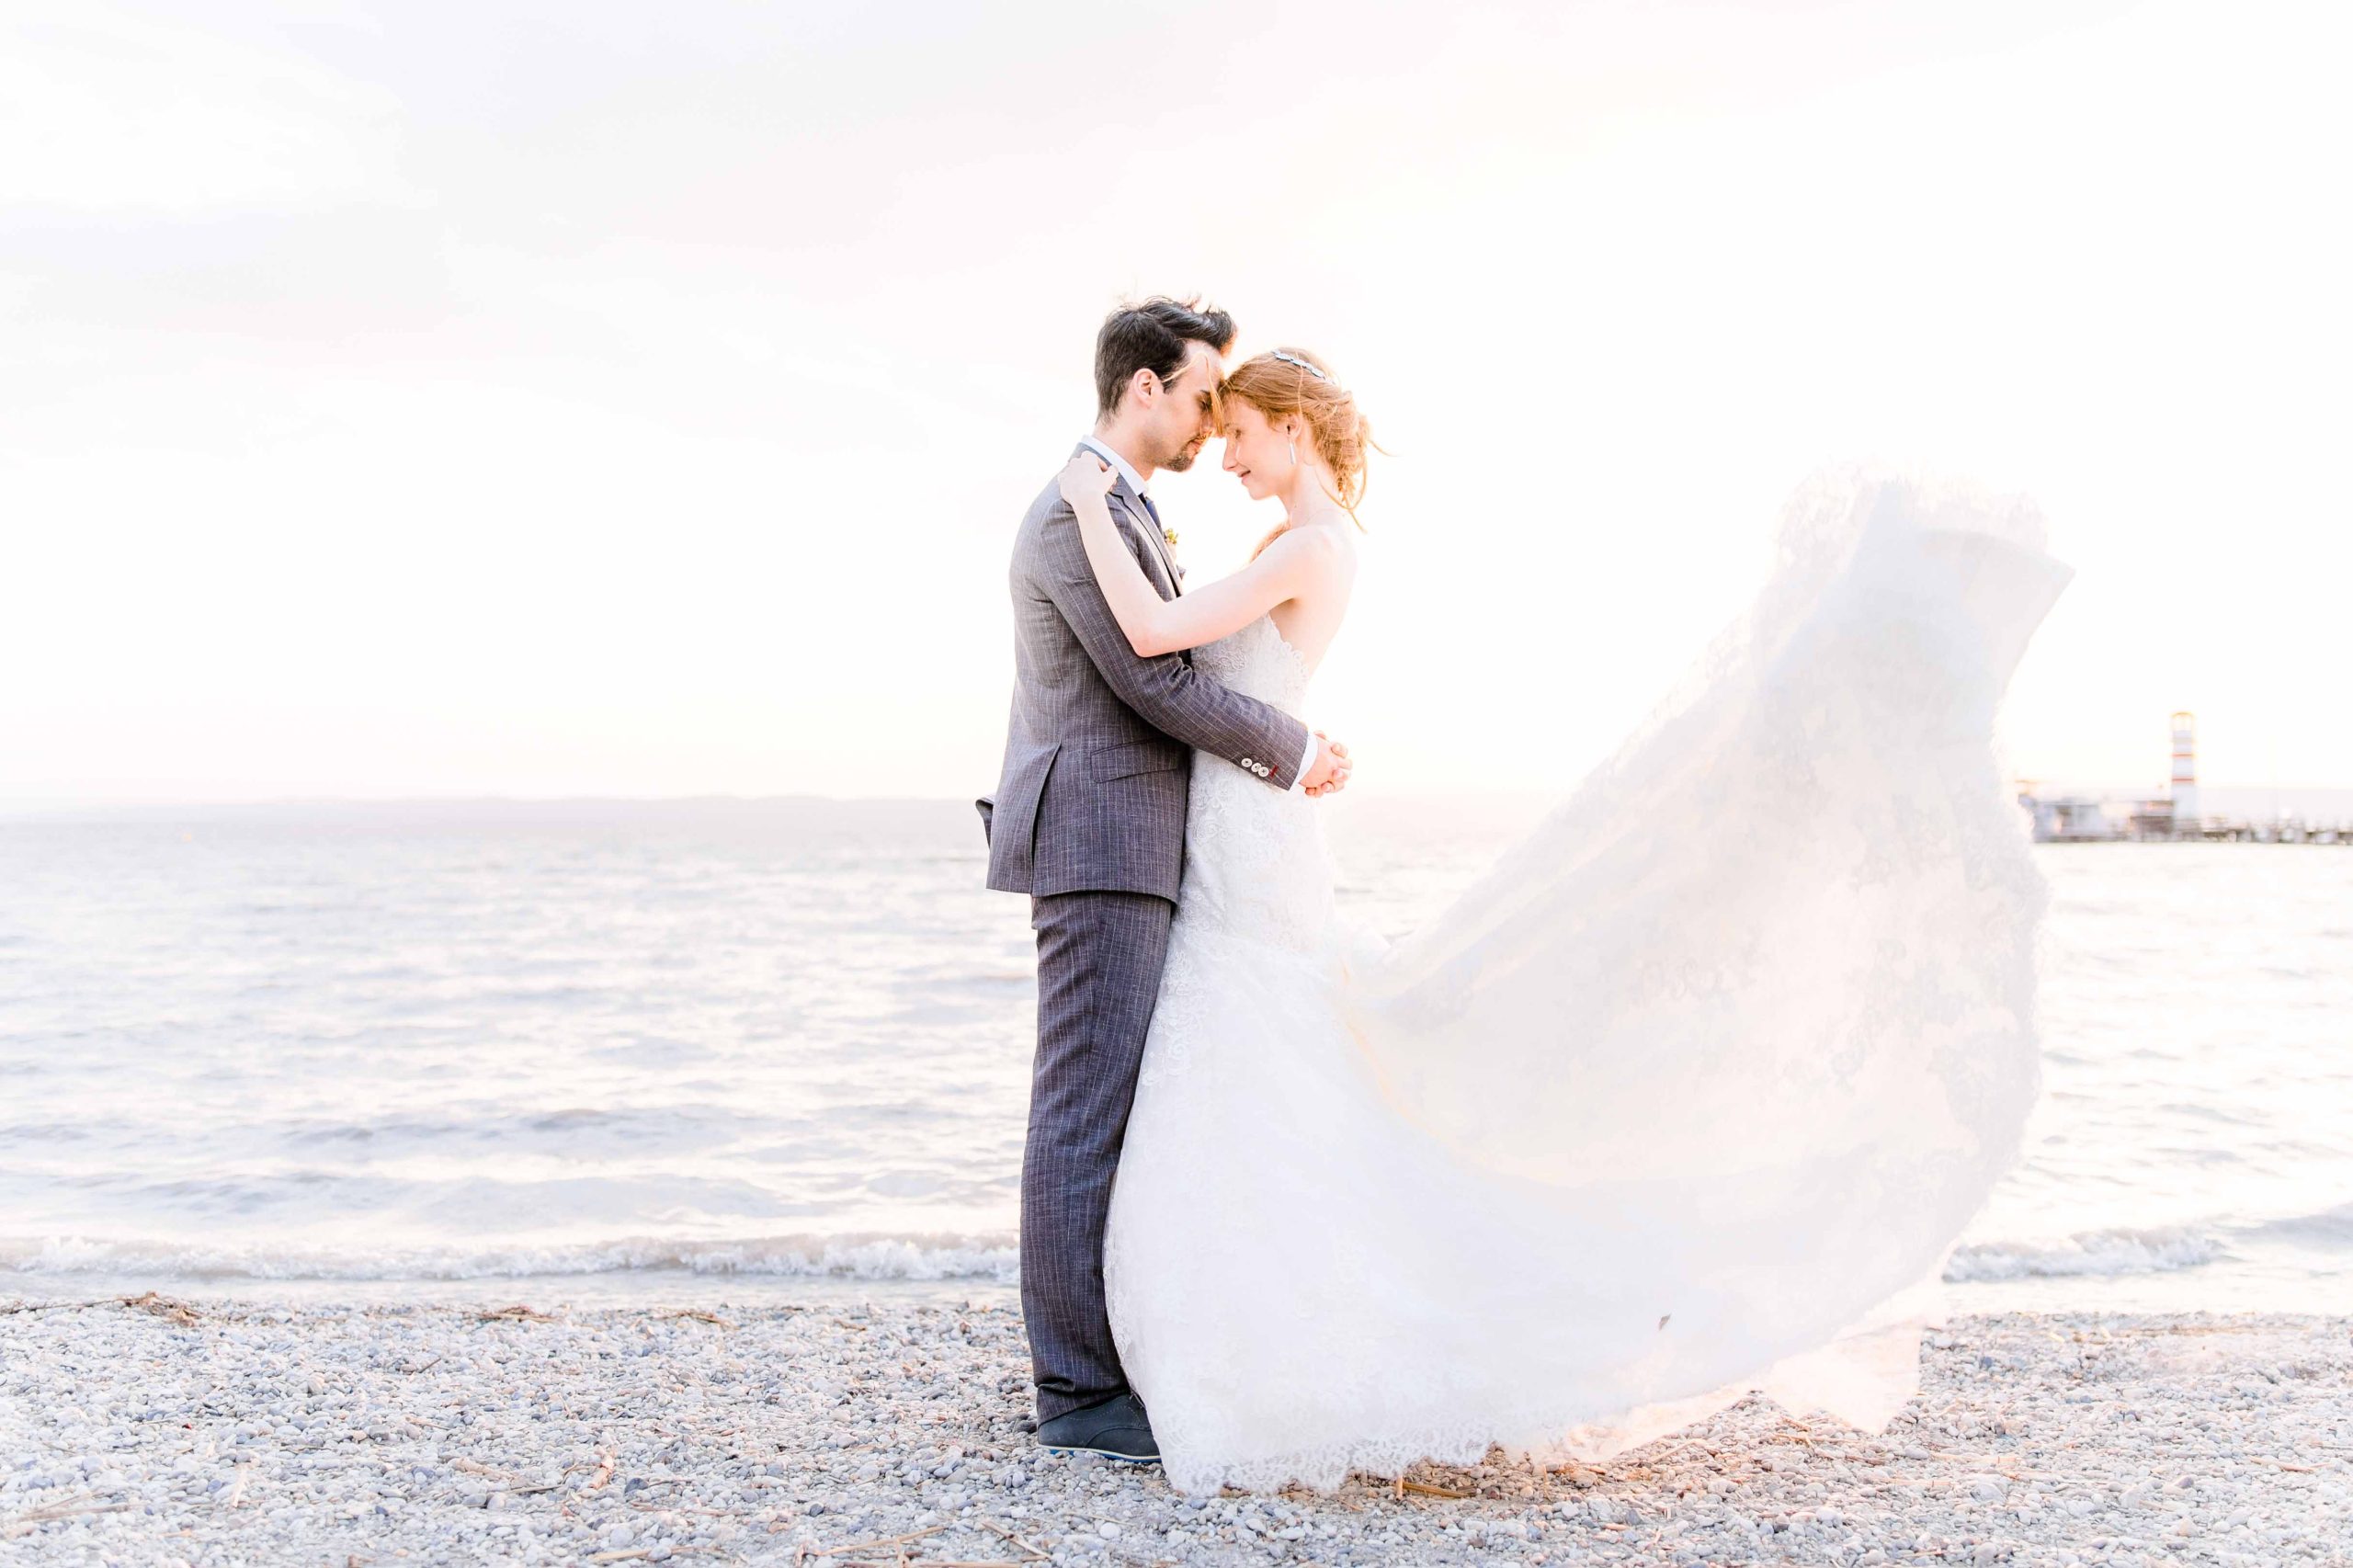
point(1105, 1453)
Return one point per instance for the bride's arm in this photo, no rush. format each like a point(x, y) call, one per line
point(1154, 625)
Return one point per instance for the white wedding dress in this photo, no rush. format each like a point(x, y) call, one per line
point(1690, 1095)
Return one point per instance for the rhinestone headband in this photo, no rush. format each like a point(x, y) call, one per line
point(1288, 359)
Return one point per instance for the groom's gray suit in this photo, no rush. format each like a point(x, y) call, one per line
point(1088, 819)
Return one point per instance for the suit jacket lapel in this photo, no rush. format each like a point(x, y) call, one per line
point(1143, 519)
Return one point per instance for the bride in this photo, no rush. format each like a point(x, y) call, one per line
point(1690, 1095)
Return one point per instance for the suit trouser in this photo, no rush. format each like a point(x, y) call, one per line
point(1099, 956)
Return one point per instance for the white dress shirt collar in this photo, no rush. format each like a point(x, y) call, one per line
point(1125, 468)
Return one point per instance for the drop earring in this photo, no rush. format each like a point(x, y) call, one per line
point(1294, 451)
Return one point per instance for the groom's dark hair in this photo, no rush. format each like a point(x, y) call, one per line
point(1152, 336)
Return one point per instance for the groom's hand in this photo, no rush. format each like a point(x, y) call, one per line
point(1329, 775)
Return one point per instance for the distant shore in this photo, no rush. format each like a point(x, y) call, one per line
point(205, 1429)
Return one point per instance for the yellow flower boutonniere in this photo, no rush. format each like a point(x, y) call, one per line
point(1170, 535)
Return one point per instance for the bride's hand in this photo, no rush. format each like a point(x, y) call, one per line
point(1086, 475)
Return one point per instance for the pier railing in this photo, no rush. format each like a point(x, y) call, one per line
point(2211, 830)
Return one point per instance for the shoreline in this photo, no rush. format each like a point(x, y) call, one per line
point(2227, 1284)
point(203, 1428)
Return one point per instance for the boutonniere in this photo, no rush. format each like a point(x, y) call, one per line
point(1170, 535)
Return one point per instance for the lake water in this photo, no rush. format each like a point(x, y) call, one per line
point(634, 1049)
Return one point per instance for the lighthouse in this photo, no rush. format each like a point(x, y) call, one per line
point(2185, 773)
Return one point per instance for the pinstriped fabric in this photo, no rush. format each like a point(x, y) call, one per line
point(1099, 741)
point(1099, 956)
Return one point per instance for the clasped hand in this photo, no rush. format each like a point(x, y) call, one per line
point(1329, 774)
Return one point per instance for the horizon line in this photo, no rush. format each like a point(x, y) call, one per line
point(53, 806)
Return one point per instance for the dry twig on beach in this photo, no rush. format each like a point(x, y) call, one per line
point(519, 1312)
point(516, 1485)
point(71, 1509)
point(165, 1307)
point(1426, 1490)
point(1007, 1537)
point(869, 1545)
point(162, 1306)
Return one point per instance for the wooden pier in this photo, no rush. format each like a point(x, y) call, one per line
point(2287, 830)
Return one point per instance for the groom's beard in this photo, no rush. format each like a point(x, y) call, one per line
point(1184, 459)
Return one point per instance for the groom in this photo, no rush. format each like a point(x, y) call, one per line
point(1092, 798)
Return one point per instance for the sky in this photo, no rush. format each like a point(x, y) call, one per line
point(422, 400)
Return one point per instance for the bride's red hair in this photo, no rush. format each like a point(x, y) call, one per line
point(1284, 382)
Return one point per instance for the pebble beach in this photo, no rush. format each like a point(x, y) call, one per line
point(153, 1429)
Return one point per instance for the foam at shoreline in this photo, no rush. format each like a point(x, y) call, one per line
point(991, 1257)
point(2157, 1249)
point(850, 1256)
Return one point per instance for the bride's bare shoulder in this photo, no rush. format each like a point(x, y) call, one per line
point(1320, 548)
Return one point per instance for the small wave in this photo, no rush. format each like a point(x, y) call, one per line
point(856, 1256)
point(2329, 1227)
point(2161, 1249)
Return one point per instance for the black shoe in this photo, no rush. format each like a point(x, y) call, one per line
point(1117, 1429)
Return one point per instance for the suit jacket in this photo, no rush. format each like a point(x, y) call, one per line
point(1098, 749)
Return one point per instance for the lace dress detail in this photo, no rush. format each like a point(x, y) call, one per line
point(1258, 874)
point(1263, 871)
point(1689, 1096)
